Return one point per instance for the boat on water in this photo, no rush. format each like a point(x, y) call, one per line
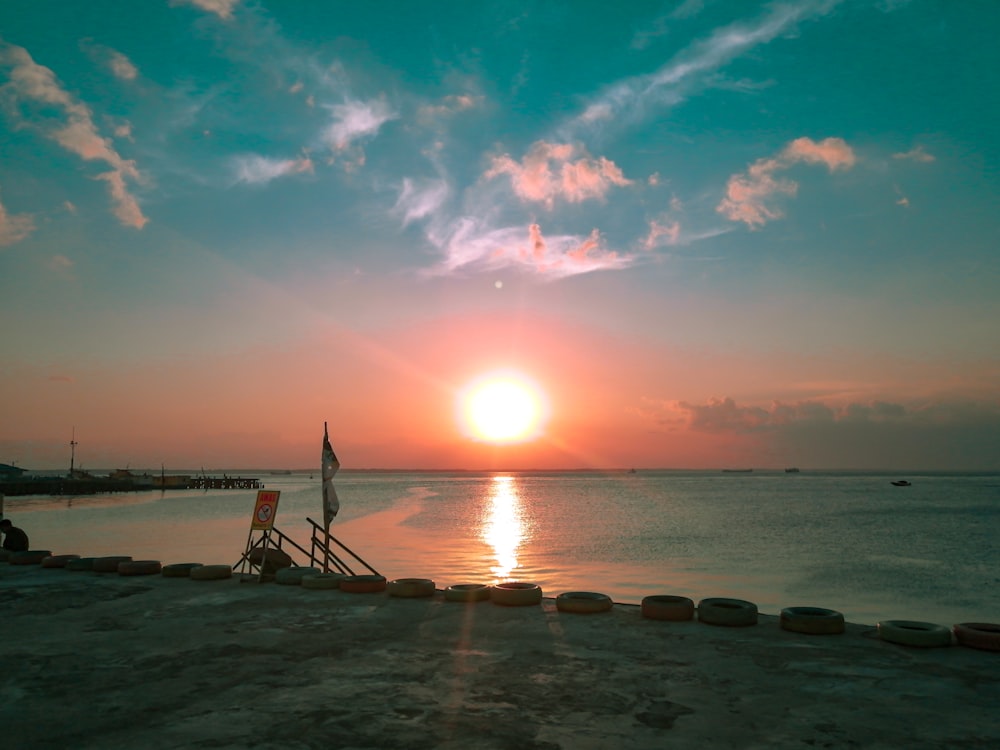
point(791, 470)
point(900, 483)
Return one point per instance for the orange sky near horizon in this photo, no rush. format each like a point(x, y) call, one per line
point(390, 401)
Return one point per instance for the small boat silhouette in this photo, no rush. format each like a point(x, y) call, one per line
point(900, 483)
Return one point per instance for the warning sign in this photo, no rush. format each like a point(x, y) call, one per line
point(265, 510)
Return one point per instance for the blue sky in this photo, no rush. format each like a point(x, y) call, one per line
point(715, 232)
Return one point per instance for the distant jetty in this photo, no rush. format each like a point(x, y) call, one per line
point(82, 483)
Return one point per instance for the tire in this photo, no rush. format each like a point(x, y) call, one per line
point(982, 635)
point(179, 570)
point(322, 581)
point(81, 563)
point(467, 592)
point(516, 594)
point(110, 564)
point(583, 602)
point(734, 613)
point(411, 588)
point(29, 557)
point(914, 633)
point(211, 573)
point(366, 584)
point(666, 607)
point(58, 561)
point(140, 568)
point(812, 620)
point(293, 576)
point(270, 561)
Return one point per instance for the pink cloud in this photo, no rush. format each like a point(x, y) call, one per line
point(538, 248)
point(30, 83)
point(469, 242)
point(548, 172)
point(657, 231)
point(747, 194)
point(833, 152)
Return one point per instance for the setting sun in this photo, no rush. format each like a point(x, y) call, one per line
point(502, 408)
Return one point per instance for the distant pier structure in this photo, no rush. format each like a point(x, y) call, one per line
point(224, 483)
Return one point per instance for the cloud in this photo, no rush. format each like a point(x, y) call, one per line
point(747, 194)
point(948, 433)
point(14, 228)
point(470, 243)
point(917, 153)
point(548, 172)
point(255, 170)
point(725, 415)
point(630, 98)
point(449, 106)
point(833, 152)
point(354, 120)
point(122, 67)
point(660, 234)
point(222, 8)
point(33, 84)
point(420, 199)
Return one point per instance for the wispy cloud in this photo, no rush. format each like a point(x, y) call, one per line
point(14, 227)
point(419, 199)
point(222, 8)
point(257, 170)
point(470, 243)
point(917, 153)
point(448, 107)
point(629, 99)
point(30, 96)
point(660, 25)
point(354, 120)
point(748, 193)
point(549, 171)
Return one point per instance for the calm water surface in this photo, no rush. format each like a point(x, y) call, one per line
point(848, 541)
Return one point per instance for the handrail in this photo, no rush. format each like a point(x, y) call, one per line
point(318, 528)
point(320, 538)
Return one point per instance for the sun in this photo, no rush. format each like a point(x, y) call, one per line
point(502, 407)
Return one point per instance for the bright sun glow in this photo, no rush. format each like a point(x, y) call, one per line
point(502, 408)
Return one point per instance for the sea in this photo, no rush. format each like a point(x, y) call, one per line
point(849, 541)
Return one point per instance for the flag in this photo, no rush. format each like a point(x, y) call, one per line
point(331, 504)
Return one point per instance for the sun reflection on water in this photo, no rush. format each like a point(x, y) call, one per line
point(503, 528)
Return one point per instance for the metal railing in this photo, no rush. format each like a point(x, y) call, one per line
point(321, 551)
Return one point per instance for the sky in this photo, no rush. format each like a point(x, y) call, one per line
point(708, 233)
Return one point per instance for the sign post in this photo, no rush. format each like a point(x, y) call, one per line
point(262, 522)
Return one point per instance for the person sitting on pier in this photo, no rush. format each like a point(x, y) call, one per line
point(14, 539)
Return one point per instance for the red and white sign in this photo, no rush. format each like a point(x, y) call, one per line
point(265, 510)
